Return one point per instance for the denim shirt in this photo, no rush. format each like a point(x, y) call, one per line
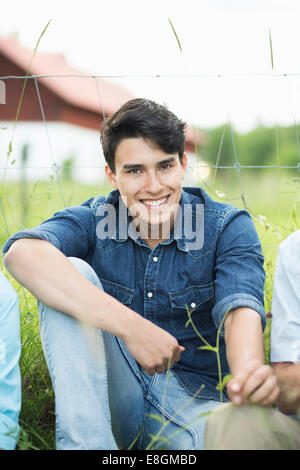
point(225, 273)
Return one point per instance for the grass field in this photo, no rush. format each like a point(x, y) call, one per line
point(271, 197)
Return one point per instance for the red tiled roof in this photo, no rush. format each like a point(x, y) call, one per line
point(86, 93)
point(81, 92)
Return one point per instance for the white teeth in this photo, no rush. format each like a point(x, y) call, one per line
point(155, 203)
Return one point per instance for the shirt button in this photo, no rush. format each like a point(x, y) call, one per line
point(193, 305)
point(150, 294)
point(155, 259)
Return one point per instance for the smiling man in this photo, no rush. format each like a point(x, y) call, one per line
point(115, 292)
point(150, 188)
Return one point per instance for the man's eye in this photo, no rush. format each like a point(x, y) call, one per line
point(134, 171)
point(166, 166)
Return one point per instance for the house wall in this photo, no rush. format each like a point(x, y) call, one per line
point(55, 108)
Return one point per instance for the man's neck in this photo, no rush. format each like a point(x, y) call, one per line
point(154, 235)
point(153, 242)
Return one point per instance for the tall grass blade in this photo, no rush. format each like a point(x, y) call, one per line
point(178, 42)
point(271, 49)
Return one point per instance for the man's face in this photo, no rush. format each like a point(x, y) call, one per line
point(149, 180)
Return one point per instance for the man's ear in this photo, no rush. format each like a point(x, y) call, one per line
point(111, 177)
point(184, 164)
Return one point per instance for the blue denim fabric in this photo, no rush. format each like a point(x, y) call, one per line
point(10, 379)
point(225, 273)
point(104, 401)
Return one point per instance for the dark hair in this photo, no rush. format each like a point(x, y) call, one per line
point(142, 118)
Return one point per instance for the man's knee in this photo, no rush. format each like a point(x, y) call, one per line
point(252, 427)
point(86, 270)
point(9, 300)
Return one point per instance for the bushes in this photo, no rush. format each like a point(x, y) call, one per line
point(261, 146)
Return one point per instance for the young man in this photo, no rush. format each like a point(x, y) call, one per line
point(285, 331)
point(116, 278)
point(10, 380)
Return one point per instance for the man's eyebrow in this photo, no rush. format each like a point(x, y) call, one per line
point(130, 166)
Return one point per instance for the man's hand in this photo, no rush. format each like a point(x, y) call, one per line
point(151, 346)
point(288, 376)
point(254, 384)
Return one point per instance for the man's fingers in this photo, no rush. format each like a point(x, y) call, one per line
point(255, 380)
point(237, 383)
point(176, 353)
point(271, 398)
point(164, 361)
point(150, 371)
point(256, 383)
point(265, 392)
point(160, 369)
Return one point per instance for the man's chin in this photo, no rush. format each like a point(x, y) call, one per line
point(155, 229)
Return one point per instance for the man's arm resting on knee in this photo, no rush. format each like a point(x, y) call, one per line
point(253, 381)
point(288, 376)
point(51, 277)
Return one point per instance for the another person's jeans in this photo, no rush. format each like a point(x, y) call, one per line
point(10, 379)
point(104, 399)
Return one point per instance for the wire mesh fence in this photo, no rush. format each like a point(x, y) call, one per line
point(196, 167)
point(238, 170)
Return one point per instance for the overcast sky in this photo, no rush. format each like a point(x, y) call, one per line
point(134, 37)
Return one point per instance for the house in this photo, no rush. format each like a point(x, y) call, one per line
point(62, 109)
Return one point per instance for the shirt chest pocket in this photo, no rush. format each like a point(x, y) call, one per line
point(122, 293)
point(199, 300)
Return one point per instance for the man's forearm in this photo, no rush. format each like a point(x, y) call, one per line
point(288, 376)
point(253, 381)
point(51, 277)
point(244, 338)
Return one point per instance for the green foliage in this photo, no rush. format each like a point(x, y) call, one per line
point(67, 169)
point(37, 417)
point(214, 145)
point(224, 382)
point(257, 147)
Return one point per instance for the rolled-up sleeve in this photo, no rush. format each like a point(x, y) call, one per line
point(71, 231)
point(239, 272)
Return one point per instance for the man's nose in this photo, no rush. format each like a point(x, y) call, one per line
point(152, 183)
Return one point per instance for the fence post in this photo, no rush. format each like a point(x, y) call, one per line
point(2, 92)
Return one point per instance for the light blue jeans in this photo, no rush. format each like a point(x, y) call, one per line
point(10, 378)
point(104, 399)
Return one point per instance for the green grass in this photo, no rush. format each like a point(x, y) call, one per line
point(271, 197)
point(37, 418)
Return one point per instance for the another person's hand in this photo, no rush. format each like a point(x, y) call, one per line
point(151, 346)
point(255, 384)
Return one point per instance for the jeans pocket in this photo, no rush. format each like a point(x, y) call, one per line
point(122, 293)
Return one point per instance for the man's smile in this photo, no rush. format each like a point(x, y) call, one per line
point(154, 203)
